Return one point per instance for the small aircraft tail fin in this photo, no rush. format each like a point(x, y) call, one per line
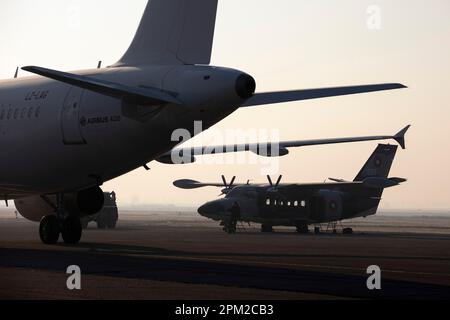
point(173, 32)
point(379, 163)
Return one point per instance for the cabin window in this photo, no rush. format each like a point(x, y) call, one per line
point(296, 204)
point(303, 203)
point(268, 202)
point(289, 203)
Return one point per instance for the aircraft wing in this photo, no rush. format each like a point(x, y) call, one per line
point(187, 155)
point(370, 182)
point(147, 96)
point(259, 99)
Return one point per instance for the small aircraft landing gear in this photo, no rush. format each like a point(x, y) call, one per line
point(302, 228)
point(69, 226)
point(230, 226)
point(266, 228)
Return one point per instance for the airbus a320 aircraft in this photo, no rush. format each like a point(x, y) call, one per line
point(300, 205)
point(64, 134)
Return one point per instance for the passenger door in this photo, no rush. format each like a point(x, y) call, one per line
point(70, 117)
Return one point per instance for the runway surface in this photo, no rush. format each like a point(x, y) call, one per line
point(183, 256)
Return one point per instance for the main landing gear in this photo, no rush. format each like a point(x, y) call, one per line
point(265, 228)
point(302, 228)
point(61, 223)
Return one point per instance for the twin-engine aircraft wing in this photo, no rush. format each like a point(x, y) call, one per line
point(376, 183)
point(142, 96)
point(259, 99)
point(187, 155)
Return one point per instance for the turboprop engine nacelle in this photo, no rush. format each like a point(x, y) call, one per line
point(82, 203)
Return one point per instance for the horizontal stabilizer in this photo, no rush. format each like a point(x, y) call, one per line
point(147, 96)
point(297, 95)
point(380, 183)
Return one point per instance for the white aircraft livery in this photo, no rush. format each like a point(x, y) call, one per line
point(64, 134)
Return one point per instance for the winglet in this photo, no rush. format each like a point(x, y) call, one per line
point(400, 137)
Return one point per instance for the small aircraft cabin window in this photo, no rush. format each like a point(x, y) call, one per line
point(303, 203)
point(289, 203)
point(296, 204)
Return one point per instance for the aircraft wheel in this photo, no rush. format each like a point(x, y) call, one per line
point(266, 228)
point(49, 230)
point(347, 231)
point(302, 229)
point(72, 230)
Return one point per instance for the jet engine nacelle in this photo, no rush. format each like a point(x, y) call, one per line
point(82, 203)
point(330, 206)
point(89, 201)
point(34, 208)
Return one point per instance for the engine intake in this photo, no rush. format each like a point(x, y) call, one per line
point(90, 201)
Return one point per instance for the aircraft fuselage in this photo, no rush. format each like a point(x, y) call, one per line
point(59, 138)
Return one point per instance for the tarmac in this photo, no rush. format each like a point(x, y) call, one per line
point(182, 256)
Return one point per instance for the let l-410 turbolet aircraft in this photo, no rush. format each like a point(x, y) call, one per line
point(303, 204)
point(67, 133)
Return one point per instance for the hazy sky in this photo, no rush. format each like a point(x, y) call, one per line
point(284, 44)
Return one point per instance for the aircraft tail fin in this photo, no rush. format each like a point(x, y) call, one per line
point(173, 32)
point(379, 163)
